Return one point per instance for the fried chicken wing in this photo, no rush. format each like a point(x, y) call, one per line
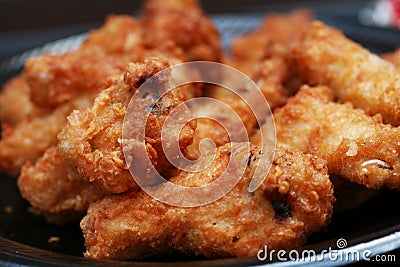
point(294, 200)
point(326, 56)
point(92, 139)
point(356, 146)
point(183, 22)
point(55, 190)
point(28, 140)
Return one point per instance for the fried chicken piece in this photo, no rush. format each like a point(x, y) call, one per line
point(57, 79)
point(273, 38)
point(55, 190)
point(183, 22)
point(92, 139)
point(294, 200)
point(28, 140)
point(15, 104)
point(326, 56)
point(356, 146)
point(393, 57)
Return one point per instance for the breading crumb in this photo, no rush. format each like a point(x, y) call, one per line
point(53, 239)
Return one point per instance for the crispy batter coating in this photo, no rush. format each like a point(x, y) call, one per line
point(294, 200)
point(28, 140)
point(183, 22)
point(273, 38)
point(326, 56)
point(92, 139)
point(270, 77)
point(54, 189)
point(120, 34)
point(265, 54)
point(356, 146)
point(58, 79)
point(393, 57)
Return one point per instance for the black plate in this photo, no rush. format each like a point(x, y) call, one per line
point(373, 226)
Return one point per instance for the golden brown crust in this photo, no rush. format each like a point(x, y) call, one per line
point(57, 79)
point(15, 104)
point(28, 140)
point(55, 190)
point(356, 146)
point(185, 24)
point(326, 56)
point(134, 225)
point(265, 54)
point(273, 38)
point(270, 77)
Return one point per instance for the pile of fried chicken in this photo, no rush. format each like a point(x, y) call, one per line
point(336, 108)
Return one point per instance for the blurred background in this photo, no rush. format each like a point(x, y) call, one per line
point(25, 24)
